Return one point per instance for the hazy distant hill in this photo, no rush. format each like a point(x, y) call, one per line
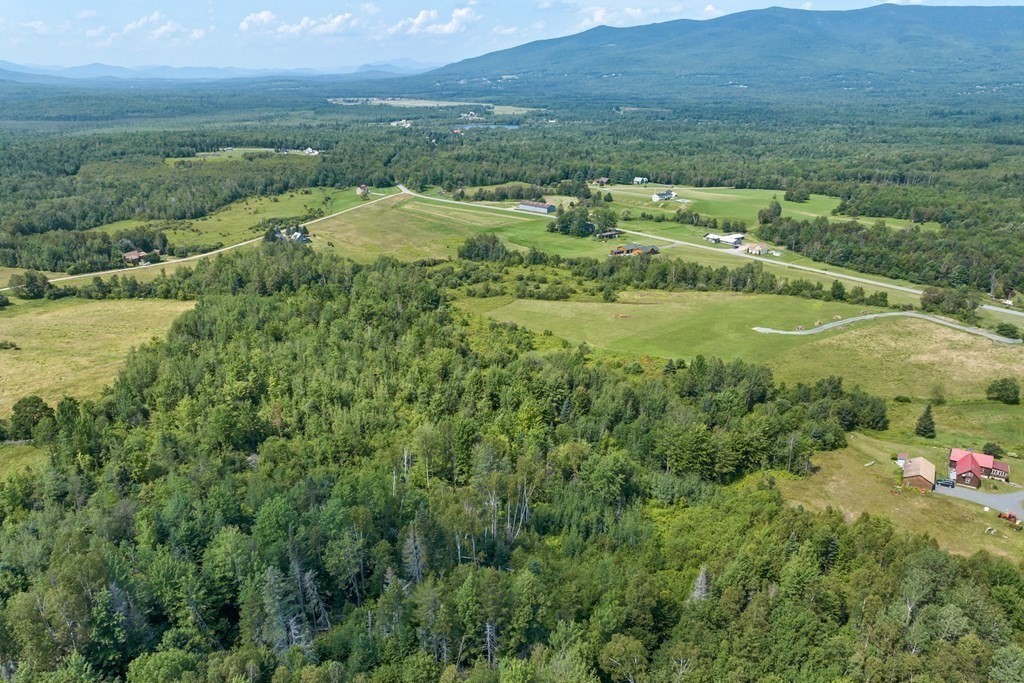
point(883, 47)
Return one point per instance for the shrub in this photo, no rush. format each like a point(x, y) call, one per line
point(1005, 390)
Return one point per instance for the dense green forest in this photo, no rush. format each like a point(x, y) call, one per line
point(327, 473)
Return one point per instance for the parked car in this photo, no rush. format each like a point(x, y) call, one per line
point(948, 483)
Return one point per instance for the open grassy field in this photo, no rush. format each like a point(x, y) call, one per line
point(842, 482)
point(241, 220)
point(412, 228)
point(74, 346)
point(888, 357)
point(727, 203)
point(16, 457)
point(234, 154)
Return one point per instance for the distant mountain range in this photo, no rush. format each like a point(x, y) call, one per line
point(884, 47)
point(888, 49)
point(57, 74)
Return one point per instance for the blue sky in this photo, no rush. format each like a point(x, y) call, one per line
point(320, 34)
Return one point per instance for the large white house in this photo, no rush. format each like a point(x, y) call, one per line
point(663, 196)
point(641, 180)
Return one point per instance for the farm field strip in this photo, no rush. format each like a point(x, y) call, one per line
point(174, 263)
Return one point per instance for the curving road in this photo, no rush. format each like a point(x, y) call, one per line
point(740, 254)
point(208, 254)
point(906, 314)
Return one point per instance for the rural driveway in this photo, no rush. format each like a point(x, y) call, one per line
point(1001, 502)
point(907, 314)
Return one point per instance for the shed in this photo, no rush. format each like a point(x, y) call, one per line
point(919, 473)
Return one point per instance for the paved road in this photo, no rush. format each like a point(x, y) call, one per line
point(1000, 502)
point(174, 262)
point(740, 254)
point(906, 314)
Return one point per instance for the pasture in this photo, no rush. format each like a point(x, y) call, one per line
point(75, 346)
point(888, 357)
point(411, 228)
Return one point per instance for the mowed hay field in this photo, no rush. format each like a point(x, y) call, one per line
point(411, 228)
point(74, 347)
point(888, 357)
point(842, 482)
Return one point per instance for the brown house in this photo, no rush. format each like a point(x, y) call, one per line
point(634, 249)
point(919, 473)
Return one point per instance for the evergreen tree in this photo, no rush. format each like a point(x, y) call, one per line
point(926, 424)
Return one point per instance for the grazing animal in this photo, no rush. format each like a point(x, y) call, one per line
point(837, 317)
point(799, 328)
point(817, 323)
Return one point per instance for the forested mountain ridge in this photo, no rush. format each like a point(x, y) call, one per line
point(326, 473)
point(883, 48)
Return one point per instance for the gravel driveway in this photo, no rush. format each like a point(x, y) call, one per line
point(1000, 502)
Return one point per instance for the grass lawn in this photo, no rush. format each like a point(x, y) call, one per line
point(887, 357)
point(964, 424)
point(74, 346)
point(14, 458)
point(412, 228)
point(844, 483)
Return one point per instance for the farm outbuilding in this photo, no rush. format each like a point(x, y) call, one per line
point(536, 207)
point(919, 473)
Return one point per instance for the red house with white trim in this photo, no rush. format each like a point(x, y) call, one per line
point(968, 468)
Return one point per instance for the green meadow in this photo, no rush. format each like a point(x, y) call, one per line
point(74, 346)
point(888, 357)
point(411, 228)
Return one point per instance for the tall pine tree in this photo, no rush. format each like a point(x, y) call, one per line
point(926, 424)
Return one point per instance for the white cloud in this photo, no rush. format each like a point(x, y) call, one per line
point(461, 17)
point(142, 22)
point(369, 8)
point(807, 5)
point(710, 12)
point(427, 22)
point(166, 30)
point(40, 27)
point(332, 25)
point(500, 30)
point(269, 22)
point(257, 20)
point(86, 14)
point(157, 26)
